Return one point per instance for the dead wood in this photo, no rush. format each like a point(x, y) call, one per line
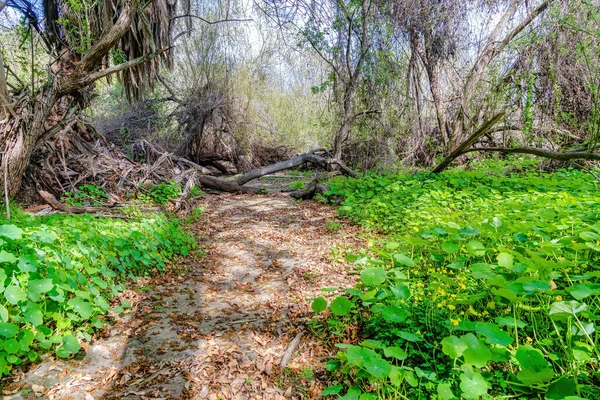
point(235, 185)
point(287, 356)
point(471, 140)
point(60, 206)
point(554, 155)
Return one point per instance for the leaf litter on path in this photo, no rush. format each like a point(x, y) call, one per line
point(215, 326)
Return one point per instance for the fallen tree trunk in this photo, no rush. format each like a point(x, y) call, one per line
point(60, 206)
point(555, 155)
point(467, 143)
point(235, 185)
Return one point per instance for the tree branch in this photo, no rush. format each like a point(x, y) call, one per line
point(76, 82)
point(555, 155)
point(211, 22)
point(100, 49)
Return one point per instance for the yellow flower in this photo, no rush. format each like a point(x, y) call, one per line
point(462, 286)
point(558, 298)
point(454, 322)
point(451, 307)
point(491, 305)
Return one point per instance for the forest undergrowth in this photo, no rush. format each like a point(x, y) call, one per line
point(484, 286)
point(61, 276)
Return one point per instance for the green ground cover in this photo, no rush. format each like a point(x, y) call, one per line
point(485, 286)
point(59, 273)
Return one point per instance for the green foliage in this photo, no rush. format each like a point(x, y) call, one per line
point(164, 191)
point(297, 185)
point(484, 286)
point(87, 195)
point(59, 273)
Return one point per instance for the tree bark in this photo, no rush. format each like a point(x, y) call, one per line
point(555, 155)
point(467, 143)
point(18, 151)
point(236, 185)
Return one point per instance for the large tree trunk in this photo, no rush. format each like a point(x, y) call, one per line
point(20, 146)
point(343, 132)
point(235, 185)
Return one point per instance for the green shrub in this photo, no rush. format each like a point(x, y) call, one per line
point(58, 274)
point(87, 195)
point(165, 191)
point(484, 286)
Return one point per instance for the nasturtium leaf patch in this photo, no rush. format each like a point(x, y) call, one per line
point(453, 347)
point(510, 322)
point(353, 393)
point(71, 343)
point(373, 276)
point(403, 259)
point(394, 314)
point(11, 232)
point(589, 236)
point(12, 346)
point(563, 310)
point(3, 314)
point(477, 354)
point(450, 247)
point(333, 365)
point(409, 336)
point(8, 330)
point(340, 306)
point(493, 333)
point(331, 390)
point(400, 292)
point(476, 248)
point(6, 257)
point(534, 367)
point(472, 384)
point(319, 304)
point(14, 294)
point(505, 260)
point(82, 307)
point(27, 263)
point(561, 388)
point(37, 287)
point(34, 317)
point(583, 290)
point(444, 391)
point(395, 352)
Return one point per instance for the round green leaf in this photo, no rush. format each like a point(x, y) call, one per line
point(11, 232)
point(319, 305)
point(450, 247)
point(331, 390)
point(6, 257)
point(341, 306)
point(472, 384)
point(505, 260)
point(453, 347)
point(373, 276)
point(563, 387)
point(12, 346)
point(395, 352)
point(476, 248)
point(493, 333)
point(71, 343)
point(477, 354)
point(82, 307)
point(589, 236)
point(14, 295)
point(394, 314)
point(403, 259)
point(8, 330)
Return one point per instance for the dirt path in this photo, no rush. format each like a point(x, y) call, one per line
point(216, 326)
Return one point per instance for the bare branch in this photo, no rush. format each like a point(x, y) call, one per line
point(74, 83)
point(212, 22)
point(555, 155)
